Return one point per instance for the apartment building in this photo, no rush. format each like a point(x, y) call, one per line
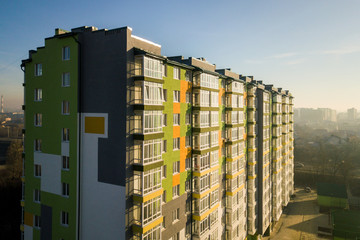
point(121, 142)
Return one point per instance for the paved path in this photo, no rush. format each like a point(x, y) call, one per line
point(300, 219)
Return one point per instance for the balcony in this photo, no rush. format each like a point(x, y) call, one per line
point(147, 152)
point(251, 91)
point(147, 212)
point(251, 116)
point(206, 80)
point(147, 182)
point(148, 67)
point(148, 122)
point(251, 102)
point(251, 130)
point(147, 93)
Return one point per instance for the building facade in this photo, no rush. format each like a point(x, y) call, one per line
point(121, 142)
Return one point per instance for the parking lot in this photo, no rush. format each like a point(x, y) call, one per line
point(300, 219)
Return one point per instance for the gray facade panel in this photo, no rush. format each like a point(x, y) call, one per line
point(46, 222)
point(103, 90)
point(167, 209)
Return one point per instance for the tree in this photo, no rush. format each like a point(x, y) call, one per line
point(13, 171)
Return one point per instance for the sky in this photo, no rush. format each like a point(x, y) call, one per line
point(310, 47)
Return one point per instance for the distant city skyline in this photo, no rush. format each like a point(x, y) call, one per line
point(298, 45)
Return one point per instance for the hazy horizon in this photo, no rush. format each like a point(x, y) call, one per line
point(308, 47)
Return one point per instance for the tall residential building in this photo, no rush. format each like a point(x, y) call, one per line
point(352, 114)
point(122, 142)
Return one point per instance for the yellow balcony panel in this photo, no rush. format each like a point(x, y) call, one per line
point(229, 159)
point(22, 203)
point(207, 213)
point(252, 177)
point(252, 149)
point(231, 176)
point(22, 179)
point(142, 230)
point(266, 165)
point(143, 199)
point(199, 174)
point(252, 163)
point(266, 152)
point(22, 227)
point(197, 195)
point(235, 191)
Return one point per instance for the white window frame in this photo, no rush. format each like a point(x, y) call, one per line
point(176, 191)
point(65, 108)
point(152, 93)
point(176, 167)
point(65, 163)
point(66, 53)
point(38, 120)
point(65, 134)
point(176, 119)
point(65, 79)
point(176, 96)
point(64, 218)
point(37, 196)
point(37, 221)
point(65, 192)
point(38, 69)
point(176, 143)
point(37, 170)
point(176, 72)
point(38, 95)
point(37, 145)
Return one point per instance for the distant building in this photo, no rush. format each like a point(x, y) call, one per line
point(352, 114)
point(346, 224)
point(315, 115)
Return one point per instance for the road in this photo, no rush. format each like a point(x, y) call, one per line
point(300, 219)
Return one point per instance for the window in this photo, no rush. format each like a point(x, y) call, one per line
point(149, 67)
point(65, 189)
point(176, 214)
point(176, 236)
point(176, 96)
point(65, 80)
point(66, 53)
point(164, 197)
point(214, 99)
point(38, 94)
point(165, 95)
point(38, 120)
point(64, 218)
point(153, 121)
point(204, 98)
point(188, 163)
point(65, 108)
point(65, 163)
point(65, 134)
point(165, 120)
point(164, 70)
point(164, 145)
point(176, 191)
point(36, 195)
point(187, 185)
point(38, 145)
point(188, 75)
point(187, 118)
point(152, 210)
point(176, 167)
point(38, 69)
point(176, 143)
point(37, 221)
point(187, 141)
point(164, 171)
point(153, 93)
point(176, 73)
point(176, 119)
point(188, 97)
point(37, 170)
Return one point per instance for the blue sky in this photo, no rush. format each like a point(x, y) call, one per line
point(311, 47)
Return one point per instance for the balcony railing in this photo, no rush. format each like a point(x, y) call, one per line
point(148, 122)
point(148, 93)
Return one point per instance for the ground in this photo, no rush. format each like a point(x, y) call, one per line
point(300, 219)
